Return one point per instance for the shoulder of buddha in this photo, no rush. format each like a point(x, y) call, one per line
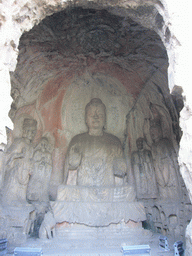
point(112, 139)
point(79, 137)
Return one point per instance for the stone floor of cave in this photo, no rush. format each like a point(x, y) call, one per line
point(85, 246)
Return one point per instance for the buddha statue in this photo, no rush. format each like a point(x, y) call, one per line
point(97, 155)
point(101, 195)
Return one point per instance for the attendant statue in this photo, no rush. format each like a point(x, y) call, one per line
point(144, 173)
point(96, 155)
point(18, 164)
point(165, 162)
point(38, 186)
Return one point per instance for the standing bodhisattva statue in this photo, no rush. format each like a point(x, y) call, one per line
point(18, 164)
point(144, 172)
point(165, 163)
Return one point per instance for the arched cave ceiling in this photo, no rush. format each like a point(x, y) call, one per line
point(75, 41)
point(84, 35)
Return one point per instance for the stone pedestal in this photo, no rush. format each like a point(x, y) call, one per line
point(92, 235)
point(97, 206)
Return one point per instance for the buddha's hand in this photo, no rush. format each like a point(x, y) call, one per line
point(119, 167)
point(74, 156)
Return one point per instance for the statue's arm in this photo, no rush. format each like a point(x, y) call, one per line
point(73, 158)
point(119, 164)
point(135, 162)
point(135, 165)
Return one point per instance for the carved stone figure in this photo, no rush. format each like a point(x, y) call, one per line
point(144, 173)
point(97, 155)
point(47, 229)
point(15, 94)
point(100, 195)
point(165, 162)
point(36, 218)
point(38, 186)
point(18, 164)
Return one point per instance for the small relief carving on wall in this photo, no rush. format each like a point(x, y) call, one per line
point(17, 102)
point(15, 94)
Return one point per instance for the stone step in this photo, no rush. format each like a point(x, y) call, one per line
point(94, 247)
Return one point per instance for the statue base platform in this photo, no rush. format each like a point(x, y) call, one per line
point(97, 206)
point(91, 235)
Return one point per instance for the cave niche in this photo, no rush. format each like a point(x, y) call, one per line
point(79, 54)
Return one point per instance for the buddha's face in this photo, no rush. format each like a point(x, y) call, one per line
point(95, 118)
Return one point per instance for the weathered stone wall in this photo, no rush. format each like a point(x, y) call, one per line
point(20, 16)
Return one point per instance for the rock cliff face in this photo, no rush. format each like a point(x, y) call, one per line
point(114, 50)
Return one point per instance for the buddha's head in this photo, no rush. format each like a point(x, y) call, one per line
point(95, 115)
